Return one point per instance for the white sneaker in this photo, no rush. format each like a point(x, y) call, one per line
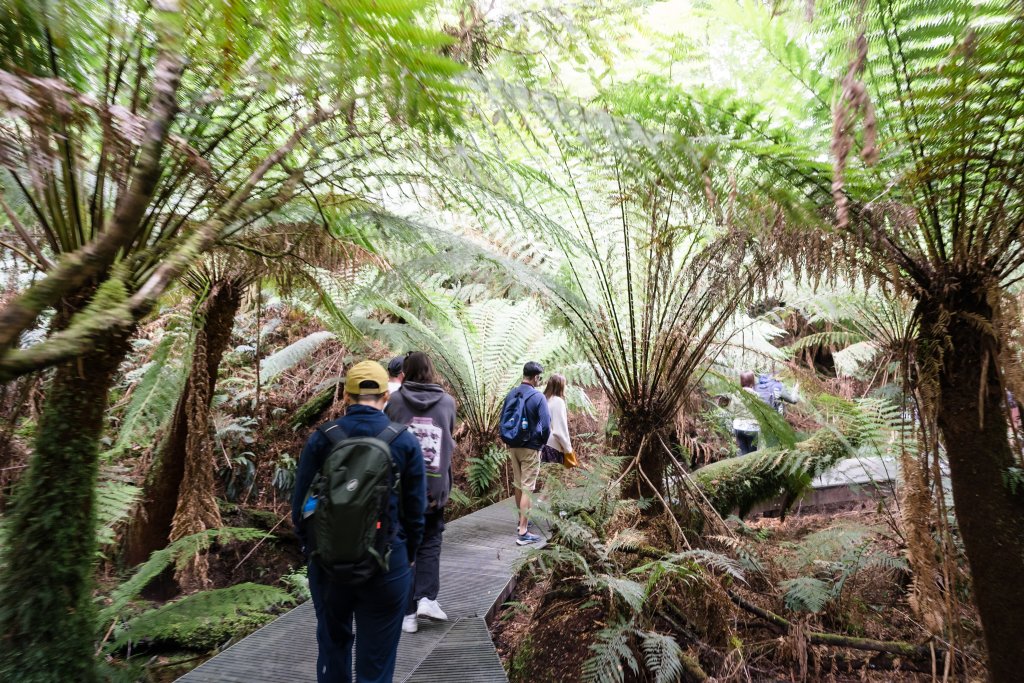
point(409, 624)
point(431, 610)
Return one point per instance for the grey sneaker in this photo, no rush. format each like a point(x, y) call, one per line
point(527, 538)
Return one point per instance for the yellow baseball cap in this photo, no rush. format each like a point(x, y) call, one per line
point(364, 373)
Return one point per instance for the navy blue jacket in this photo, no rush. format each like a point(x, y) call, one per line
point(361, 420)
point(535, 408)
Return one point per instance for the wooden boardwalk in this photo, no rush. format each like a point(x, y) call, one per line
point(476, 577)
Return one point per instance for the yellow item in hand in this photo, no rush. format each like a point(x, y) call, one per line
point(569, 460)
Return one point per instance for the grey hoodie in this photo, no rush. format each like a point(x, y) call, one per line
point(430, 414)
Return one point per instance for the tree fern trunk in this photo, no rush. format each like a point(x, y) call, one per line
point(151, 530)
point(640, 440)
point(47, 615)
point(990, 516)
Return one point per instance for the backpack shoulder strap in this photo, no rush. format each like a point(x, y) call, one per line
point(335, 434)
point(391, 432)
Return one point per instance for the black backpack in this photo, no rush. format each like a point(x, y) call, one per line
point(351, 529)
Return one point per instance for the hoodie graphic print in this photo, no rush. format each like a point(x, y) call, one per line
point(429, 436)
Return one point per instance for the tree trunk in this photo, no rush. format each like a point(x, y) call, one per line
point(922, 550)
point(47, 614)
point(974, 429)
point(640, 442)
point(151, 530)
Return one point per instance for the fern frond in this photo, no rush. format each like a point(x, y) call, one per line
point(806, 594)
point(662, 656)
point(115, 500)
point(710, 560)
point(632, 593)
point(177, 553)
point(612, 654)
point(155, 395)
point(203, 620)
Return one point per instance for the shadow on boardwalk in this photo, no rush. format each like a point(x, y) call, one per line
point(476, 577)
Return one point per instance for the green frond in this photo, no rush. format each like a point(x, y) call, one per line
point(115, 501)
point(632, 593)
point(662, 656)
point(744, 551)
point(484, 472)
point(203, 620)
point(709, 559)
point(612, 655)
point(155, 394)
point(806, 594)
point(176, 553)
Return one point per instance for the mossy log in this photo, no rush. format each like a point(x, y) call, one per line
point(312, 409)
point(742, 482)
point(894, 647)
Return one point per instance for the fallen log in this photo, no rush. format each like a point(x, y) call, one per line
point(742, 482)
point(892, 647)
point(311, 410)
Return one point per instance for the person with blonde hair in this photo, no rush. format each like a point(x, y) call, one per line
point(558, 447)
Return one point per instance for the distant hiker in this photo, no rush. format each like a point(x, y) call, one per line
point(360, 544)
point(773, 392)
point(525, 427)
point(430, 414)
point(768, 390)
point(744, 425)
point(558, 447)
point(396, 373)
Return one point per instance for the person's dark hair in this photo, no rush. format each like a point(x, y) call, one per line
point(395, 366)
point(532, 369)
point(747, 379)
point(419, 368)
point(555, 386)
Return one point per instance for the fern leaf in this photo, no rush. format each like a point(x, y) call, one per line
point(204, 620)
point(806, 594)
point(155, 396)
point(662, 656)
point(611, 655)
point(634, 594)
point(178, 552)
point(114, 502)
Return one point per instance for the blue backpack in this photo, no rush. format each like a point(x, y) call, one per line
point(514, 428)
point(768, 390)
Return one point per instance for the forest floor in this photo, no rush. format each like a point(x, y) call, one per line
point(543, 638)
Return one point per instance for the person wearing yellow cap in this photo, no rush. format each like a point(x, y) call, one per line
point(376, 603)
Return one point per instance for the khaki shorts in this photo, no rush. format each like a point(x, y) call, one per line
point(525, 468)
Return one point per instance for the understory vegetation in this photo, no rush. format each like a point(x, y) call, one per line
point(210, 211)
